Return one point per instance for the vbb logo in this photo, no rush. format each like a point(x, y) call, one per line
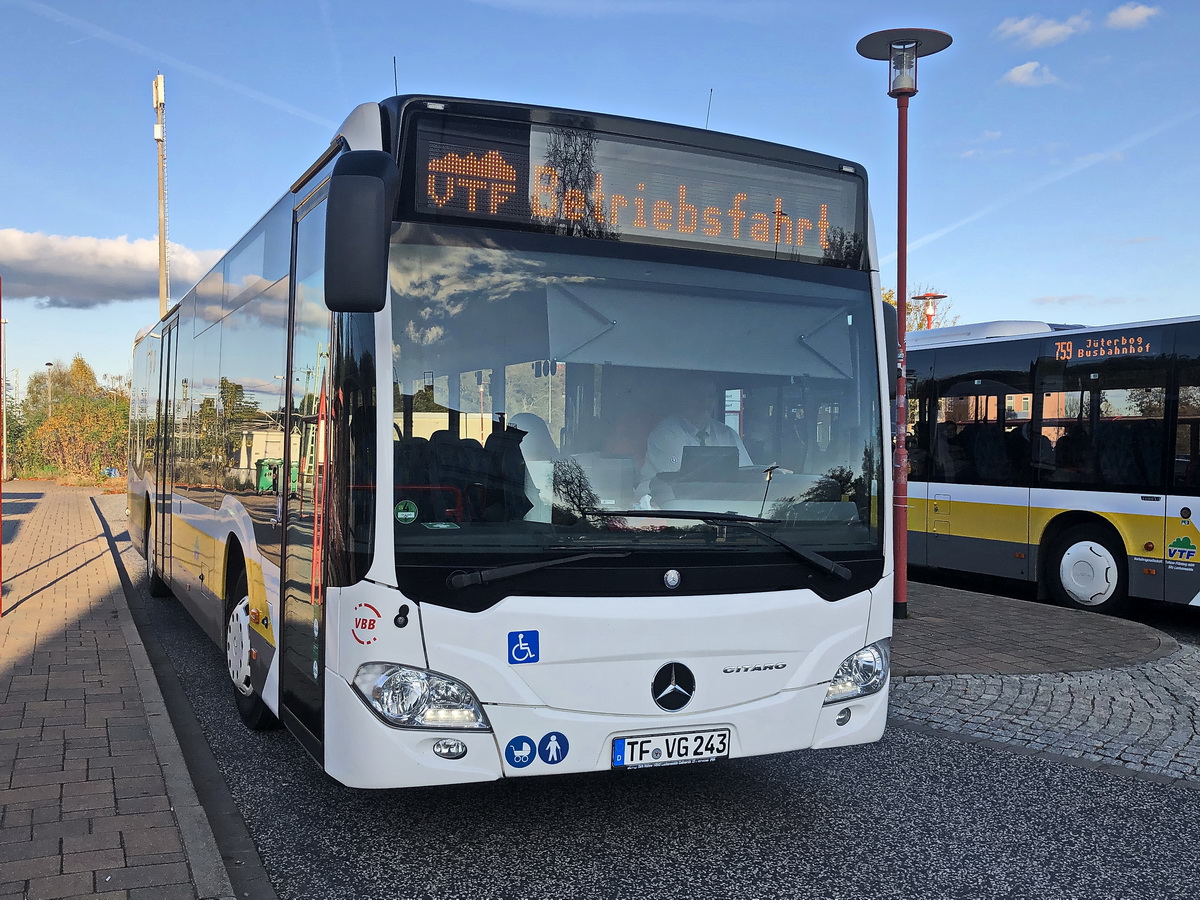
point(366, 618)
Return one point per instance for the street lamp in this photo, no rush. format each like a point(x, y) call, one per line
point(49, 393)
point(930, 306)
point(902, 47)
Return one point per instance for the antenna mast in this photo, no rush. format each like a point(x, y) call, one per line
point(160, 138)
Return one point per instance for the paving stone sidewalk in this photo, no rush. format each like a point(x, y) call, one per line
point(1052, 681)
point(95, 800)
point(951, 631)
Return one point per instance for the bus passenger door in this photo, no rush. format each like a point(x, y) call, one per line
point(302, 635)
point(1181, 543)
point(918, 528)
point(164, 464)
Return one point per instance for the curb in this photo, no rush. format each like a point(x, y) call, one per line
point(209, 876)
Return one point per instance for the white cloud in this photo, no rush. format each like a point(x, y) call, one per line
point(985, 138)
point(1034, 31)
point(1030, 74)
point(81, 272)
point(1092, 158)
point(1081, 300)
point(746, 9)
point(1131, 15)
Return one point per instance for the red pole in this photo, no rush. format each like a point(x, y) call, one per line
point(900, 604)
point(4, 463)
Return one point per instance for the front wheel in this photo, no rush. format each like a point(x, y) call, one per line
point(1086, 570)
point(250, 706)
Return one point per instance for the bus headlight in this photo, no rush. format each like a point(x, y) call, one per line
point(417, 698)
point(861, 673)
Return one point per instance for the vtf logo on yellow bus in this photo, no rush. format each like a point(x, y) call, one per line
point(1181, 548)
point(463, 179)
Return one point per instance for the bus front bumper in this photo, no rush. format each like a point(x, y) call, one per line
point(362, 751)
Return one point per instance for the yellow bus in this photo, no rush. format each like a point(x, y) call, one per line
point(1065, 455)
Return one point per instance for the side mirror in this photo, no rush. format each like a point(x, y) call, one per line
point(358, 227)
point(891, 338)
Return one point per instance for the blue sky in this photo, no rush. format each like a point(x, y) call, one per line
point(1053, 172)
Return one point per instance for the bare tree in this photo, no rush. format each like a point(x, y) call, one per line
point(571, 156)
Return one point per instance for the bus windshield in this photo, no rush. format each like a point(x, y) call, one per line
point(537, 394)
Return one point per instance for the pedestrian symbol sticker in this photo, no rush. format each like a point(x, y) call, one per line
point(552, 749)
point(523, 647)
point(519, 752)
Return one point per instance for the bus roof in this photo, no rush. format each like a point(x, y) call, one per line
point(980, 331)
point(606, 122)
point(956, 335)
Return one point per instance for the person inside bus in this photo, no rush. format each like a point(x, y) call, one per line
point(949, 454)
point(918, 455)
point(1072, 451)
point(691, 424)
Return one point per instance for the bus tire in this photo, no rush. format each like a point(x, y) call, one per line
point(250, 706)
point(157, 586)
point(1087, 570)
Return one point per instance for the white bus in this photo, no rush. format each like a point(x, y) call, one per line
point(516, 441)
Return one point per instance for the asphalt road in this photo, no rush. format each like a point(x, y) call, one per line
point(917, 815)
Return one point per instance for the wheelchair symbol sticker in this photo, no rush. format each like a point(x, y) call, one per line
point(520, 752)
point(522, 647)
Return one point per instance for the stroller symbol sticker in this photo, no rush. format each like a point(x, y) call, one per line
point(520, 752)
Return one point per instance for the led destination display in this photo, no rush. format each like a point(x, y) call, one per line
point(1094, 347)
point(603, 186)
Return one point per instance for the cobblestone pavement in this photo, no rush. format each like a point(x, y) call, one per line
point(95, 800)
point(1143, 718)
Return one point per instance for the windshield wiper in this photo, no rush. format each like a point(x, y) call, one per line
point(466, 579)
point(750, 523)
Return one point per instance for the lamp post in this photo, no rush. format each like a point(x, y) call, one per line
point(4, 399)
point(49, 393)
point(902, 47)
point(930, 306)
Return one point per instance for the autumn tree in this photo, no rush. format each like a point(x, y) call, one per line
point(69, 424)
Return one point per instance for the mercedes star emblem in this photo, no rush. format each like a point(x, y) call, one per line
point(673, 687)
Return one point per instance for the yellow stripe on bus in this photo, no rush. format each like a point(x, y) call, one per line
point(1018, 524)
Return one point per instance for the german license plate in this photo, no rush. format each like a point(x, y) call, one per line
point(670, 749)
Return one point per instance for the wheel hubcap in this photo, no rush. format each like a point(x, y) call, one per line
point(1088, 573)
point(237, 647)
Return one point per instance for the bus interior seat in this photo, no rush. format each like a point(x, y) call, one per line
point(506, 497)
point(1114, 453)
point(419, 480)
point(1147, 450)
point(537, 442)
